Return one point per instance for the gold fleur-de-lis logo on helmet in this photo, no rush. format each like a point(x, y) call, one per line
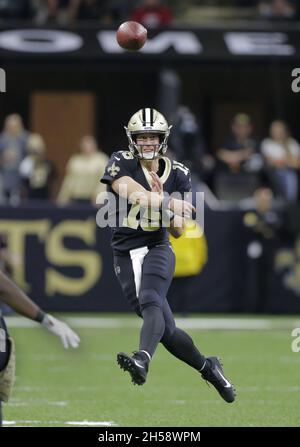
point(113, 170)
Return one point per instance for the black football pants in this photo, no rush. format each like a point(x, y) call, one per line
point(145, 276)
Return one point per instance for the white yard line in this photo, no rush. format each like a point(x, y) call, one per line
point(61, 423)
point(92, 423)
point(185, 323)
point(17, 423)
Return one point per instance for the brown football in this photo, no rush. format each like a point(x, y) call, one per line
point(131, 36)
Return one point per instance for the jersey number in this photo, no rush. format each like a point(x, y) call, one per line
point(177, 165)
point(149, 221)
point(127, 155)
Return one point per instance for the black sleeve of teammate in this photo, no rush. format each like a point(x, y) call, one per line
point(117, 167)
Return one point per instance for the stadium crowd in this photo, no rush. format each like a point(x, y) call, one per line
point(233, 172)
point(152, 13)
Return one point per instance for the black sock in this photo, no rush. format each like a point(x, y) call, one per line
point(182, 346)
point(152, 329)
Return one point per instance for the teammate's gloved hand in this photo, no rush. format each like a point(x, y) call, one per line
point(62, 330)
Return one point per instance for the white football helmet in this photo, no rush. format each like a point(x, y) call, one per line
point(148, 121)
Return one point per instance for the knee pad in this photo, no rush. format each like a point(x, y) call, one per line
point(149, 297)
point(7, 375)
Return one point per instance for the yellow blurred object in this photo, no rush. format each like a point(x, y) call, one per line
point(190, 250)
point(250, 219)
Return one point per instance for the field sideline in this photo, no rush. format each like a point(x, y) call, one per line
point(85, 387)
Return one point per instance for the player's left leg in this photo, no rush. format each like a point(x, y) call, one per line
point(181, 345)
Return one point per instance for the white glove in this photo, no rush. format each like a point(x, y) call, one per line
point(67, 335)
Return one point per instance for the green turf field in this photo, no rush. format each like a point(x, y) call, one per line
point(55, 387)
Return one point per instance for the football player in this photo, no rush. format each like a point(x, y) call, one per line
point(144, 177)
point(21, 303)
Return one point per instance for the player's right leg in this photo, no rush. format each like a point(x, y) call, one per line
point(181, 345)
point(7, 365)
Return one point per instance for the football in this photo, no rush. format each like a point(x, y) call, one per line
point(131, 36)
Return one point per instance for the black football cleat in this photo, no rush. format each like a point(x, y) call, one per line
point(136, 365)
point(214, 374)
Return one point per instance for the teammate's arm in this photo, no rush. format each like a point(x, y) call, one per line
point(16, 299)
point(21, 303)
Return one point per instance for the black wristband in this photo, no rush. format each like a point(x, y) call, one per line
point(40, 316)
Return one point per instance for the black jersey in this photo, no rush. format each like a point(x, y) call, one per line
point(135, 227)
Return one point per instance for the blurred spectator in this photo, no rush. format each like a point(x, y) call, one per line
point(61, 11)
point(263, 226)
point(81, 183)
point(277, 9)
point(238, 152)
point(37, 172)
point(92, 10)
point(239, 166)
point(152, 14)
point(13, 142)
point(282, 155)
point(69, 11)
point(187, 143)
point(120, 10)
point(16, 9)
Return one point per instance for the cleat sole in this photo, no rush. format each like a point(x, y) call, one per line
point(127, 364)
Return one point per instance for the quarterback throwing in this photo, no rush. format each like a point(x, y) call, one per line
point(142, 181)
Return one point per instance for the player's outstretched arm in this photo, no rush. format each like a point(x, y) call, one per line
point(131, 190)
point(177, 223)
point(22, 304)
